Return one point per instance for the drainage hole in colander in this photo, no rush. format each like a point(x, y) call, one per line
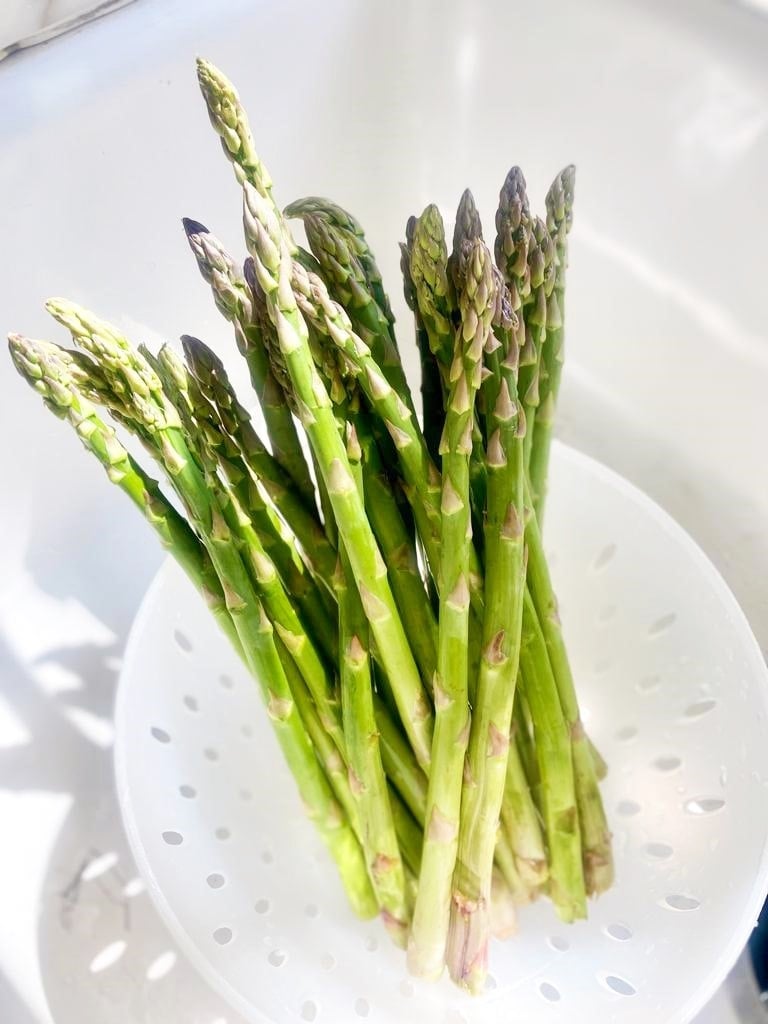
point(161, 966)
point(211, 754)
point(160, 734)
point(659, 851)
point(246, 731)
point(605, 556)
point(246, 794)
point(662, 625)
point(601, 666)
point(558, 943)
point(619, 932)
point(261, 906)
point(667, 763)
point(188, 792)
point(679, 902)
point(311, 910)
point(327, 961)
point(703, 805)
point(649, 684)
point(223, 936)
point(182, 641)
point(490, 983)
point(277, 957)
point(215, 880)
point(606, 613)
point(628, 808)
point(372, 944)
point(700, 708)
point(362, 1007)
point(223, 833)
point(226, 681)
point(190, 702)
point(267, 857)
point(618, 985)
point(626, 733)
point(108, 956)
point(309, 1010)
point(549, 992)
point(173, 838)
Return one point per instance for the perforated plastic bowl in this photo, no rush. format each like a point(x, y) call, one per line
point(674, 693)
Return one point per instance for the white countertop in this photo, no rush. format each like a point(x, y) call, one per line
point(385, 105)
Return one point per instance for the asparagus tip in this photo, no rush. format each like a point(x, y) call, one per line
point(194, 227)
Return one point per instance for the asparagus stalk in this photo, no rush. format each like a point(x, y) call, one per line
point(559, 204)
point(489, 737)
point(133, 378)
point(233, 298)
point(596, 836)
point(427, 944)
point(347, 280)
point(273, 265)
point(52, 373)
point(354, 236)
point(230, 122)
point(200, 422)
point(366, 774)
point(434, 294)
point(432, 414)
point(541, 255)
point(212, 378)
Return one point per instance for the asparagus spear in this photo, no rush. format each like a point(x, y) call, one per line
point(489, 737)
point(233, 298)
point(354, 236)
point(432, 414)
point(52, 373)
point(134, 380)
point(559, 203)
point(556, 769)
point(366, 774)
point(346, 278)
point(273, 265)
point(467, 228)
point(230, 122)
point(596, 837)
point(426, 948)
point(212, 378)
point(429, 271)
point(541, 255)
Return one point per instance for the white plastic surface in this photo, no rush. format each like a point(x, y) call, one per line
point(675, 694)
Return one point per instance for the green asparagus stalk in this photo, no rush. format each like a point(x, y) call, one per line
point(234, 300)
point(354, 236)
point(541, 255)
point(50, 371)
point(467, 228)
point(348, 283)
point(489, 737)
point(366, 774)
point(273, 265)
point(230, 122)
point(432, 413)
point(133, 378)
point(212, 378)
point(556, 769)
point(521, 824)
point(559, 203)
point(434, 293)
point(596, 836)
point(200, 422)
point(427, 944)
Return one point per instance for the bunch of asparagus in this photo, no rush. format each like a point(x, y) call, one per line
point(388, 590)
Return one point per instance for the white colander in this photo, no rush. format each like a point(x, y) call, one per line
point(675, 694)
